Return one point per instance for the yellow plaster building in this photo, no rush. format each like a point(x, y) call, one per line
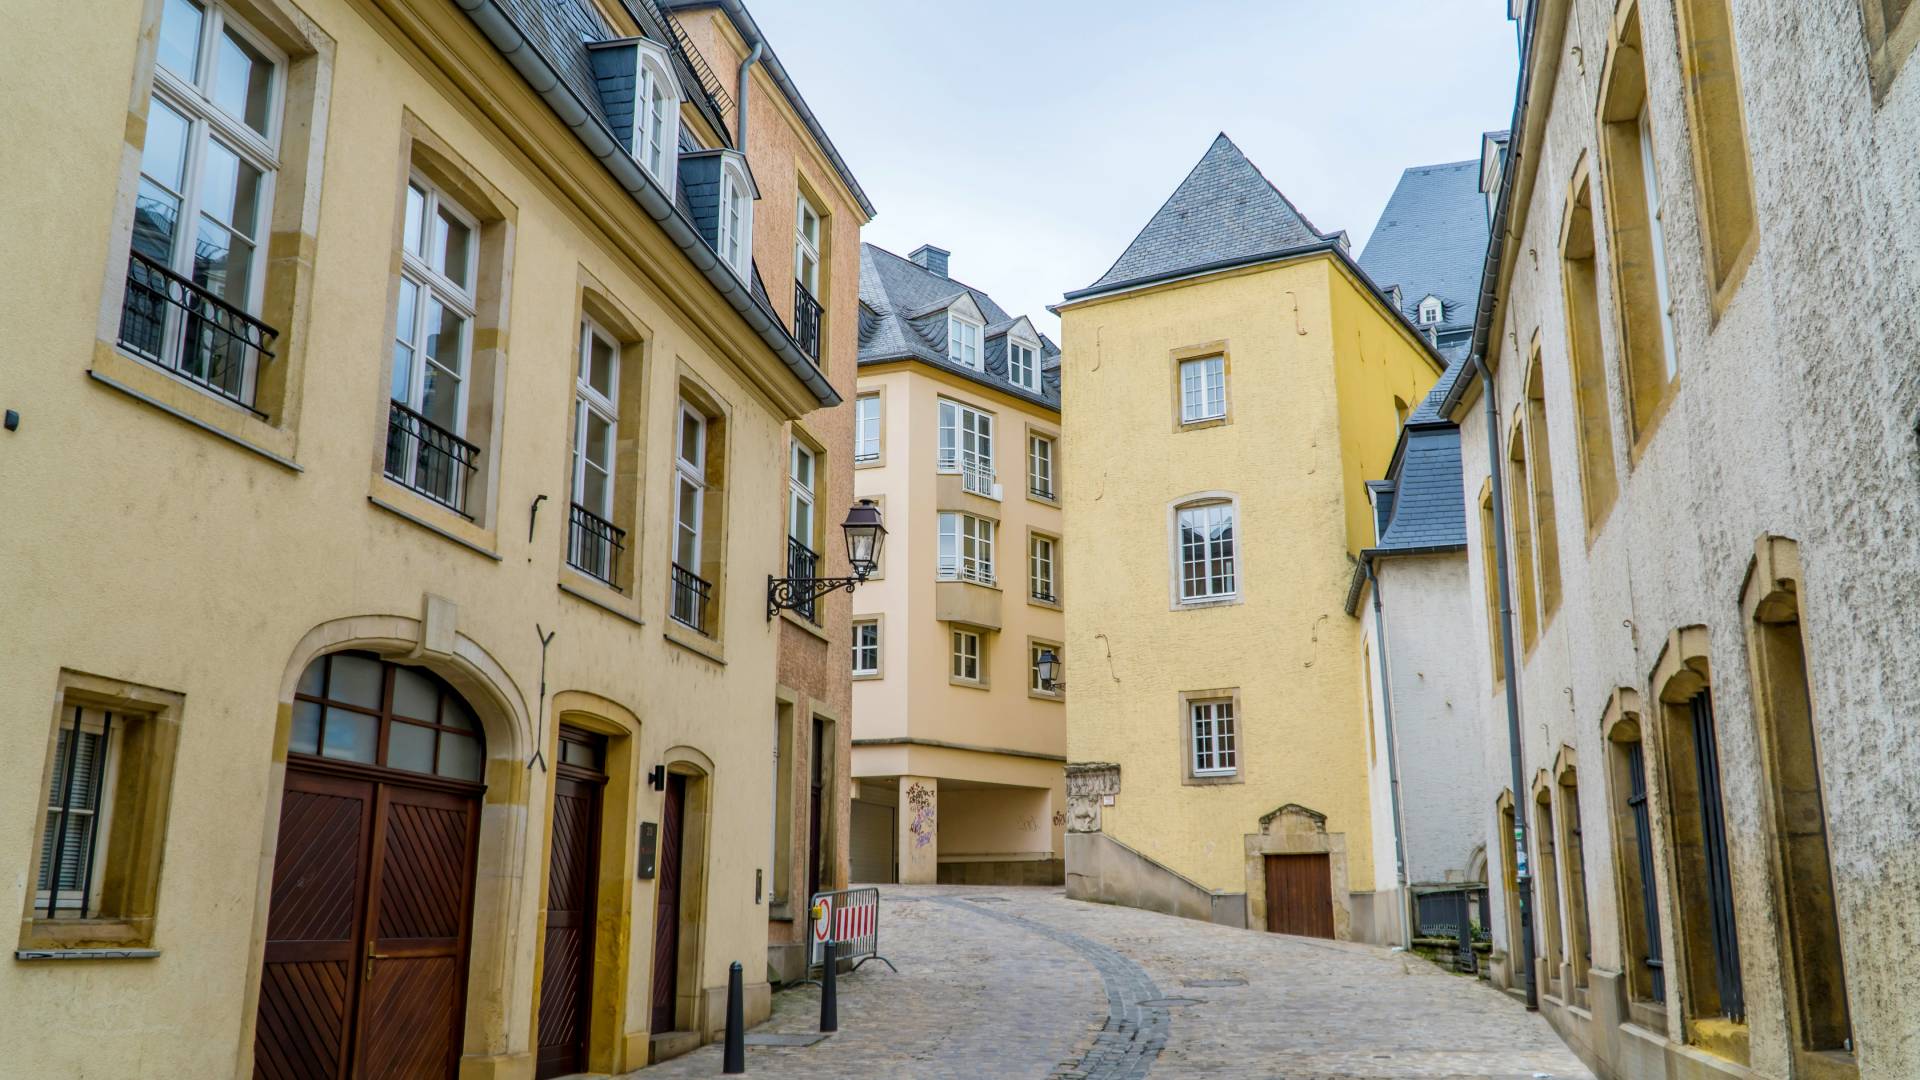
point(960, 729)
point(388, 532)
point(1231, 384)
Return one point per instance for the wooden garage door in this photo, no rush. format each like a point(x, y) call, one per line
point(1300, 895)
point(872, 853)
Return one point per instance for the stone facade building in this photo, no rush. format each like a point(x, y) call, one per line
point(961, 730)
point(389, 496)
point(1690, 479)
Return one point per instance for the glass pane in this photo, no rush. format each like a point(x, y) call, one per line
point(593, 490)
point(455, 714)
point(440, 399)
point(687, 548)
point(453, 244)
point(222, 263)
point(600, 366)
point(690, 439)
point(416, 218)
point(356, 680)
point(599, 441)
point(243, 81)
point(231, 194)
point(306, 728)
point(313, 680)
point(180, 38)
point(459, 757)
point(415, 695)
point(164, 157)
point(411, 748)
point(156, 217)
point(350, 736)
point(582, 754)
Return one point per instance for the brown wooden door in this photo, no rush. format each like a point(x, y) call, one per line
point(566, 974)
point(413, 997)
point(1300, 895)
point(817, 766)
point(311, 972)
point(666, 919)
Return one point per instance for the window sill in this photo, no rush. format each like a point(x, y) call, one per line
point(424, 519)
point(873, 463)
point(866, 676)
point(586, 596)
point(1042, 695)
point(1210, 602)
point(1044, 500)
point(968, 684)
point(153, 387)
point(1212, 779)
point(1202, 424)
point(694, 642)
point(85, 954)
point(1051, 605)
point(85, 935)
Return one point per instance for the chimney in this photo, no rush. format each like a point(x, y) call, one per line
point(930, 258)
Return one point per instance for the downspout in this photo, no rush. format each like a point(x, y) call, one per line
point(1393, 764)
point(1523, 878)
point(740, 99)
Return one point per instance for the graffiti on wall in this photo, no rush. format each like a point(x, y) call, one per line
point(922, 824)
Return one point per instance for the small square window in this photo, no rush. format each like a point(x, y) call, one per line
point(1203, 389)
point(1215, 746)
point(866, 648)
point(967, 664)
point(1044, 681)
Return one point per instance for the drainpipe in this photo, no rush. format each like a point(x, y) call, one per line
point(1393, 764)
point(740, 99)
point(1523, 877)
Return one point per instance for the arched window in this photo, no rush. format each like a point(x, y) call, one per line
point(1723, 175)
point(736, 216)
point(1546, 531)
point(356, 707)
point(1593, 421)
point(1573, 872)
point(1519, 507)
point(656, 115)
point(1638, 901)
point(1546, 882)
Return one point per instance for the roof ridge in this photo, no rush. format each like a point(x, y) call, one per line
point(1151, 218)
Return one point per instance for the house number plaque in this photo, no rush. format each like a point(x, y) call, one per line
point(649, 839)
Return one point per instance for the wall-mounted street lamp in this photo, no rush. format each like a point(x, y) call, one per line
point(1053, 672)
point(865, 535)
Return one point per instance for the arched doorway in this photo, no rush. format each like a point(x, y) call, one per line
point(364, 971)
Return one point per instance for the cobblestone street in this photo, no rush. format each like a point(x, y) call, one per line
point(1012, 982)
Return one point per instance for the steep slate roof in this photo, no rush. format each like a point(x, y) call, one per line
point(1430, 241)
point(1428, 509)
point(903, 316)
point(1224, 209)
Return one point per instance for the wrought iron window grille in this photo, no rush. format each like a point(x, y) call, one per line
point(691, 595)
point(803, 564)
point(429, 459)
point(170, 321)
point(594, 545)
point(806, 321)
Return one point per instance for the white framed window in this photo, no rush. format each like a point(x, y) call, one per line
point(800, 481)
point(1432, 311)
point(1215, 747)
point(806, 247)
point(1657, 235)
point(1040, 466)
point(656, 115)
point(963, 340)
point(1203, 389)
point(1023, 365)
point(966, 548)
point(866, 429)
point(690, 592)
point(1035, 682)
point(73, 836)
point(1206, 552)
point(966, 656)
point(866, 647)
point(736, 218)
point(1040, 569)
point(593, 539)
point(966, 446)
point(427, 449)
point(201, 213)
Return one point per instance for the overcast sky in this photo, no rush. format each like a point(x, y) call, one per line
point(1033, 138)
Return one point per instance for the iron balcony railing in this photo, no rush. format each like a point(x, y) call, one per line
point(170, 321)
point(1043, 593)
point(803, 564)
point(976, 471)
point(691, 594)
point(862, 459)
point(429, 459)
point(806, 321)
point(978, 571)
point(594, 545)
point(1041, 488)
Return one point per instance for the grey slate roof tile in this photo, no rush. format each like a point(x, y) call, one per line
point(1431, 241)
point(903, 316)
point(1224, 209)
point(1428, 507)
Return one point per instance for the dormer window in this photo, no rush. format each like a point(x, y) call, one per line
point(736, 217)
point(963, 340)
point(1431, 311)
point(656, 117)
point(1023, 365)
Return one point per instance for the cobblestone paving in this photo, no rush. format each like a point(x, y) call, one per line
point(1011, 982)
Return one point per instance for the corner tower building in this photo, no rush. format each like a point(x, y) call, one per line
point(1233, 381)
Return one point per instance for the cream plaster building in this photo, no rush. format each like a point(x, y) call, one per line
point(1232, 383)
point(960, 733)
point(1689, 469)
point(389, 496)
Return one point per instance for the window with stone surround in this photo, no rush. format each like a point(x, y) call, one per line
point(1586, 364)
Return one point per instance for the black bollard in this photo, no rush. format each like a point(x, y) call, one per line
point(736, 1050)
point(829, 993)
